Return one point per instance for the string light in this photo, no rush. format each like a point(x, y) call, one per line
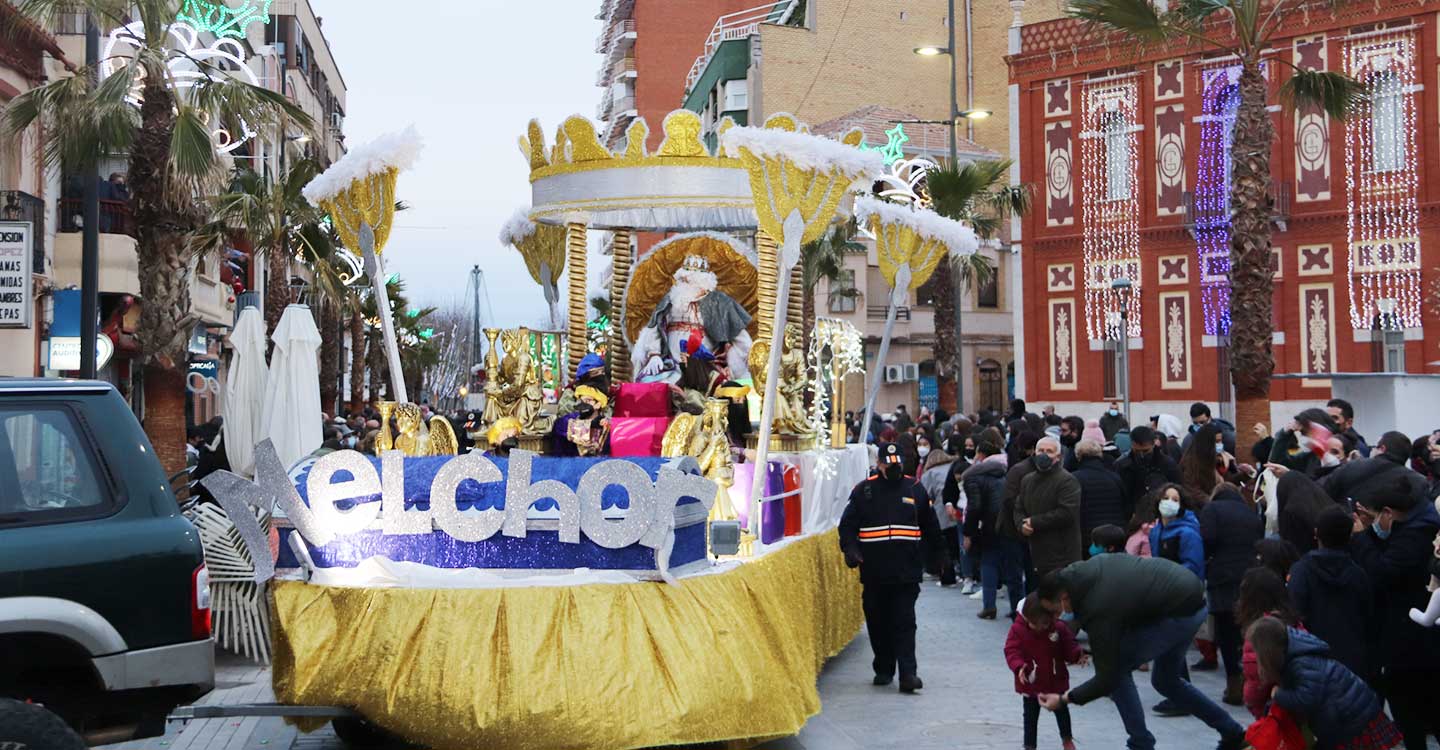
point(847, 356)
point(1110, 207)
point(893, 150)
point(1382, 183)
point(222, 19)
point(1220, 99)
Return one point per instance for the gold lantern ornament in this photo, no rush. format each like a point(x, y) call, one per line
point(543, 248)
point(358, 192)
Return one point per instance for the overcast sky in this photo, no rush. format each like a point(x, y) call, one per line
point(469, 76)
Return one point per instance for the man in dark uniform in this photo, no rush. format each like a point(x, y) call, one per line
point(889, 531)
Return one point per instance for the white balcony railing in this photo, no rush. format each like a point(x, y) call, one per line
point(737, 25)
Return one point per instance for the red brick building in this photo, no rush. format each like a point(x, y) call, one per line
point(1128, 154)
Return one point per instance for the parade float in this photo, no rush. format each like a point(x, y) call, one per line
point(613, 570)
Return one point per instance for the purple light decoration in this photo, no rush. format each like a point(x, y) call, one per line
point(1220, 99)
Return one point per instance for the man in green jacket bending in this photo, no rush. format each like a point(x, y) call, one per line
point(1136, 610)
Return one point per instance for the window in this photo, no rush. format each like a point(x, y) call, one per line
point(843, 292)
point(46, 473)
point(1117, 158)
point(737, 95)
point(1388, 344)
point(1387, 122)
point(988, 294)
point(925, 294)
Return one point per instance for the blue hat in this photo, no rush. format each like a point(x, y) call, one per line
point(591, 361)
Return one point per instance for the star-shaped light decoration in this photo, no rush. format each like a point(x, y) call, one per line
point(224, 19)
point(893, 150)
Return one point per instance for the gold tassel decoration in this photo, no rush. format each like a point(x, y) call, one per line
point(618, 356)
point(767, 250)
point(575, 244)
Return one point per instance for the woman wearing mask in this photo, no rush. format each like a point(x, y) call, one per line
point(1200, 464)
point(1176, 537)
point(937, 466)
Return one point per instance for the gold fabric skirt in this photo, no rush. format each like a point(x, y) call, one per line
point(718, 658)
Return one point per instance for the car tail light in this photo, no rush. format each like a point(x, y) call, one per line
point(200, 603)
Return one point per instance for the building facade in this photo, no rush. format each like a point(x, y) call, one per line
point(1129, 155)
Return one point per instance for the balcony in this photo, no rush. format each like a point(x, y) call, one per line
point(18, 206)
point(738, 25)
point(115, 216)
point(878, 312)
point(622, 31)
point(1212, 212)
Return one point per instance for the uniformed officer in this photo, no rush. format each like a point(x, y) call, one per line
point(889, 531)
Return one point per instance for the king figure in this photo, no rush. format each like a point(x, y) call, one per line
point(692, 315)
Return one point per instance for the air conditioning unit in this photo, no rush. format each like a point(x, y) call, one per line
point(912, 372)
point(894, 373)
point(337, 120)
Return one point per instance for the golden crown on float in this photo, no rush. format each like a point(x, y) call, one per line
point(681, 185)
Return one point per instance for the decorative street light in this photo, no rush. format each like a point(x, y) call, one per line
point(1121, 289)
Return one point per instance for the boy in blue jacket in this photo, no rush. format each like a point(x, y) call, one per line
point(1332, 594)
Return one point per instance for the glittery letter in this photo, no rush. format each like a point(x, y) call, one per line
point(625, 532)
point(236, 496)
point(270, 474)
point(394, 518)
point(324, 493)
point(472, 526)
point(520, 494)
point(672, 487)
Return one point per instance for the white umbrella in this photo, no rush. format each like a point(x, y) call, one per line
point(245, 392)
point(292, 402)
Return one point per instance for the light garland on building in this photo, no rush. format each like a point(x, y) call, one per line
point(223, 19)
point(847, 356)
point(1109, 143)
point(1220, 99)
point(894, 148)
point(1382, 182)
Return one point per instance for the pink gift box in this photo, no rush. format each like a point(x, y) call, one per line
point(643, 400)
point(634, 437)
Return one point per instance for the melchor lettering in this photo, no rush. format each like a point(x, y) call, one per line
point(649, 520)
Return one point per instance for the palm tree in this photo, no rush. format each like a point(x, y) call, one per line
point(172, 160)
point(825, 259)
point(1243, 28)
point(979, 195)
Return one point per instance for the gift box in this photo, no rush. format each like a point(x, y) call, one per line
point(793, 515)
point(643, 400)
point(772, 512)
point(633, 437)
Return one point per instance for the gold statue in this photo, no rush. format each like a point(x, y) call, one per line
point(714, 456)
point(790, 417)
point(416, 440)
point(513, 388)
point(681, 436)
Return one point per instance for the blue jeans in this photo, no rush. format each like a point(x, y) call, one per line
point(1001, 559)
point(1164, 642)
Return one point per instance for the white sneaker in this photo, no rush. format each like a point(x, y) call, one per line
point(970, 588)
point(977, 595)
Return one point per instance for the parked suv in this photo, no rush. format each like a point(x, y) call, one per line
point(104, 595)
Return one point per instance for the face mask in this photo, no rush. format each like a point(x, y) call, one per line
point(509, 444)
point(970, 453)
point(586, 411)
point(1169, 508)
point(1380, 532)
point(1069, 440)
point(1096, 549)
point(923, 450)
point(350, 442)
point(1043, 462)
point(1113, 412)
point(1219, 448)
point(1329, 460)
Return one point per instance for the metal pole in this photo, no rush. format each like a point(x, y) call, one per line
point(90, 241)
point(969, 71)
point(1125, 355)
point(955, 280)
point(954, 105)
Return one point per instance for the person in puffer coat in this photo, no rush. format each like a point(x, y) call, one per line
point(1176, 536)
point(1102, 493)
point(1037, 649)
point(1340, 709)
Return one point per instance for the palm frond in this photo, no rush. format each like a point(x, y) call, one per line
point(1137, 18)
point(1197, 11)
point(971, 271)
point(1337, 94)
point(954, 189)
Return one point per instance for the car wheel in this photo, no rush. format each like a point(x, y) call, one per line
point(358, 733)
point(26, 726)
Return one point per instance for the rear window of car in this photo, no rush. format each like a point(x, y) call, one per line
point(47, 469)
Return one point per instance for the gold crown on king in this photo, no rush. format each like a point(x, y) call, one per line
point(695, 263)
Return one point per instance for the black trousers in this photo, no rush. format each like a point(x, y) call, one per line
point(890, 622)
point(1032, 722)
point(1415, 704)
point(1229, 641)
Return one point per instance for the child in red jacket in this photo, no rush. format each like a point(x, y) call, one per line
point(1037, 650)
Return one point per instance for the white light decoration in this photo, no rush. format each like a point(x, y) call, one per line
point(847, 356)
point(190, 63)
point(1110, 205)
point(1382, 181)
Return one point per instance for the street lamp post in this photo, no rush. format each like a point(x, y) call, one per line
point(1121, 288)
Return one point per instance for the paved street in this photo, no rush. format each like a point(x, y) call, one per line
point(968, 701)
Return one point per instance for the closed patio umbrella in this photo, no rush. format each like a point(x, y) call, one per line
point(292, 401)
point(245, 392)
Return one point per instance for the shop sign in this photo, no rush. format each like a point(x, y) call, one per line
point(65, 352)
point(16, 240)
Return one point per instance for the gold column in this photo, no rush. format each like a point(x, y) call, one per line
point(795, 303)
point(576, 251)
point(837, 408)
point(767, 251)
point(619, 354)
